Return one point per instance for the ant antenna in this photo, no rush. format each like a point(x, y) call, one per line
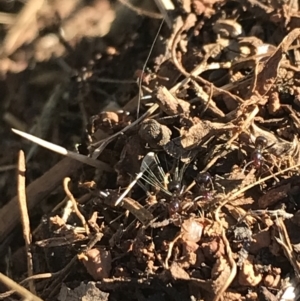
point(140, 79)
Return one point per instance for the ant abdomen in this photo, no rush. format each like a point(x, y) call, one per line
point(257, 158)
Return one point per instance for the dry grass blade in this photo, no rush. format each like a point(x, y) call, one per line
point(61, 150)
point(25, 216)
point(23, 292)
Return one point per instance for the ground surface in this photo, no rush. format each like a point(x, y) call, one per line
point(204, 106)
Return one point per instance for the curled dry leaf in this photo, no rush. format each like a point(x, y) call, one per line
point(228, 28)
point(98, 263)
point(247, 275)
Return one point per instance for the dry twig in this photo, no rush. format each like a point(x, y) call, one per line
point(23, 292)
point(75, 208)
point(24, 216)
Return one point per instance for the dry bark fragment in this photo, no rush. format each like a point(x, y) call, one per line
point(273, 196)
point(170, 104)
point(98, 263)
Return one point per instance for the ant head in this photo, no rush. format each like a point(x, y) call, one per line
point(203, 178)
point(174, 186)
point(261, 141)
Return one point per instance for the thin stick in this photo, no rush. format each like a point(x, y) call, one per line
point(78, 213)
point(22, 291)
point(61, 150)
point(5, 295)
point(24, 216)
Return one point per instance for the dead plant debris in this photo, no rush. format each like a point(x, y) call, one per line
point(186, 118)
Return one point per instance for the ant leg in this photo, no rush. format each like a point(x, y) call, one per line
point(244, 169)
point(270, 171)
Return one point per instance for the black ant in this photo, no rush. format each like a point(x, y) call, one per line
point(176, 188)
point(205, 184)
point(257, 156)
point(260, 145)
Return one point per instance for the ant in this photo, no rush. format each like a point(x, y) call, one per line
point(257, 156)
point(176, 189)
point(205, 184)
point(260, 145)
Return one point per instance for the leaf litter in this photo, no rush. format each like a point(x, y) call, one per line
point(192, 196)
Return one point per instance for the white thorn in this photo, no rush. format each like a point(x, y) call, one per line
point(61, 150)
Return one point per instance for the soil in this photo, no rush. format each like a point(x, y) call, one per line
point(177, 176)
